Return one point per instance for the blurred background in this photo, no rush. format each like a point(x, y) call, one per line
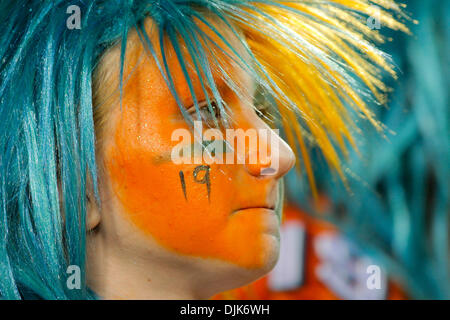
point(386, 234)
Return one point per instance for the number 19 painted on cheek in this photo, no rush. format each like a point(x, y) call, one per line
point(205, 180)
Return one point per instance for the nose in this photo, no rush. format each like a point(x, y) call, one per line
point(271, 157)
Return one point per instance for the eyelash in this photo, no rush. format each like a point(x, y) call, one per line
point(265, 112)
point(262, 110)
point(203, 106)
point(263, 105)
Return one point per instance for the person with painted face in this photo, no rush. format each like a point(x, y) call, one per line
point(91, 116)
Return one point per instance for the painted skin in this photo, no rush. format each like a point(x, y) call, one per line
point(236, 223)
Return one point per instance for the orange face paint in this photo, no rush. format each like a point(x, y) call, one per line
point(182, 218)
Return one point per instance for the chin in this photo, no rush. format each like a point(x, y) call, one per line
point(234, 276)
point(268, 258)
point(270, 254)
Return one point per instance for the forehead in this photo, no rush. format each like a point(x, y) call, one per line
point(218, 61)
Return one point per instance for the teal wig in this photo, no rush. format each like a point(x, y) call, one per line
point(47, 134)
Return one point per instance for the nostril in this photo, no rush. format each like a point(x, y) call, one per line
point(260, 163)
point(268, 171)
point(256, 169)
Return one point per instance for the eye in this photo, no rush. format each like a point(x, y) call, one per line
point(263, 105)
point(209, 114)
point(266, 113)
point(263, 111)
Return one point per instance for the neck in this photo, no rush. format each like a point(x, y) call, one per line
point(113, 273)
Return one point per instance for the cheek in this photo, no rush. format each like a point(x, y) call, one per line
point(181, 218)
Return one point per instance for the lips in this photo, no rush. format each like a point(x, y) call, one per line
point(264, 216)
point(268, 207)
